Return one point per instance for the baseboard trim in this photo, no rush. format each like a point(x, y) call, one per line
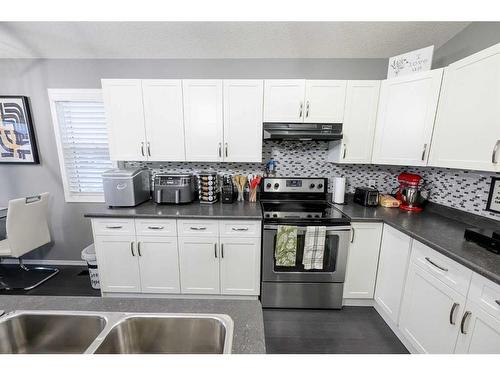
point(357, 302)
point(179, 296)
point(46, 262)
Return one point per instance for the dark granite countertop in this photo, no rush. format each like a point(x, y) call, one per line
point(248, 337)
point(439, 227)
point(195, 210)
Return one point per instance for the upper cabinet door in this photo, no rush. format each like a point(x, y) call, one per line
point(406, 112)
point(325, 100)
point(125, 118)
point(243, 120)
point(203, 123)
point(284, 100)
point(164, 119)
point(467, 131)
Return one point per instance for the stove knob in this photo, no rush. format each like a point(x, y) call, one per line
point(275, 215)
point(268, 185)
point(317, 216)
point(276, 185)
point(309, 215)
point(267, 215)
point(320, 186)
point(312, 186)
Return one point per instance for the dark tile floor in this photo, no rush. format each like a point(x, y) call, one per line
point(352, 330)
point(70, 281)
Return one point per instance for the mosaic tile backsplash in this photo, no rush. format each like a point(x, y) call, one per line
point(464, 190)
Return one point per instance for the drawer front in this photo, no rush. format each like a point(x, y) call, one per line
point(486, 294)
point(111, 227)
point(156, 227)
point(443, 268)
point(201, 228)
point(239, 228)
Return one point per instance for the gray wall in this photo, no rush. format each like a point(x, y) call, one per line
point(474, 38)
point(70, 231)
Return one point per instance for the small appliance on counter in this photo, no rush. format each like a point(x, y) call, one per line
point(227, 189)
point(126, 187)
point(488, 239)
point(174, 188)
point(366, 196)
point(411, 192)
point(208, 187)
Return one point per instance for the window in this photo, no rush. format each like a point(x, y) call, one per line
point(82, 142)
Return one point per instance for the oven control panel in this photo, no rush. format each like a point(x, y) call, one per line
point(295, 185)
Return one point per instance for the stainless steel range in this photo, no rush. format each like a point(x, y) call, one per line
point(302, 202)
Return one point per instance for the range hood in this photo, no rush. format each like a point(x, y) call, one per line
point(302, 132)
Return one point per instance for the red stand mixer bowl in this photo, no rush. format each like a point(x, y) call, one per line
point(409, 192)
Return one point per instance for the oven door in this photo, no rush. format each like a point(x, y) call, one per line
point(334, 258)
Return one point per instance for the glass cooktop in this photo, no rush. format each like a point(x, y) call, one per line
point(303, 212)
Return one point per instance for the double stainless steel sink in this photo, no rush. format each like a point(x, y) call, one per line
point(60, 332)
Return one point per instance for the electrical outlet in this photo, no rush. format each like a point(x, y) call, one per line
point(371, 182)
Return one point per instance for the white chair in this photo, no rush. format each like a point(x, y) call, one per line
point(27, 229)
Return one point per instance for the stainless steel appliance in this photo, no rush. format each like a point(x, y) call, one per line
point(302, 202)
point(126, 187)
point(302, 132)
point(366, 196)
point(174, 188)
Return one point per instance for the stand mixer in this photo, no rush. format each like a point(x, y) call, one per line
point(411, 193)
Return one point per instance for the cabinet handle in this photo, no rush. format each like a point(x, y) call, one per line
point(239, 229)
point(155, 227)
point(462, 323)
point(307, 109)
point(300, 109)
point(198, 228)
point(345, 151)
point(139, 248)
point(436, 265)
point(222, 250)
point(132, 248)
point(497, 302)
point(114, 227)
point(423, 151)
point(452, 313)
point(220, 150)
point(142, 149)
point(352, 236)
point(215, 249)
point(494, 153)
point(225, 149)
point(149, 149)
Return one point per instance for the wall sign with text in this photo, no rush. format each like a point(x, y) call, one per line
point(416, 61)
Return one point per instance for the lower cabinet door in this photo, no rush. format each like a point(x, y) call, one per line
point(362, 260)
point(118, 263)
point(430, 313)
point(240, 266)
point(159, 264)
point(479, 332)
point(199, 265)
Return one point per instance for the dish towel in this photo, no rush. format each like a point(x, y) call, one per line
point(285, 250)
point(314, 248)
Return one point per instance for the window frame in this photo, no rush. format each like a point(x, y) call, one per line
point(81, 95)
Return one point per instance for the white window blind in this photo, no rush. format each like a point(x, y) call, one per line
point(82, 143)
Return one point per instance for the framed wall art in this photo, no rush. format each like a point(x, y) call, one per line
point(493, 204)
point(17, 136)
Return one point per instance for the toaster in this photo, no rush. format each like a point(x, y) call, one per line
point(366, 196)
point(174, 188)
point(126, 187)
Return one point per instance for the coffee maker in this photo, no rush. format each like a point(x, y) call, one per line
point(410, 192)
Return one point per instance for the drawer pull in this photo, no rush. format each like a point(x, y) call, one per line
point(198, 228)
point(452, 313)
point(240, 229)
point(155, 227)
point(464, 319)
point(436, 265)
point(498, 302)
point(114, 227)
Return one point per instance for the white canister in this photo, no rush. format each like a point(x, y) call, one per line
point(338, 190)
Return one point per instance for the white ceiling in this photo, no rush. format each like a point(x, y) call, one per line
point(220, 39)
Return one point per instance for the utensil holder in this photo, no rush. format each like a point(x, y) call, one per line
point(252, 196)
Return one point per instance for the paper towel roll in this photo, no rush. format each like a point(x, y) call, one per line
point(338, 189)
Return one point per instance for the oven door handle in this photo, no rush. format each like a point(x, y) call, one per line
point(328, 229)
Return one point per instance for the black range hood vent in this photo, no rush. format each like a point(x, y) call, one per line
point(302, 132)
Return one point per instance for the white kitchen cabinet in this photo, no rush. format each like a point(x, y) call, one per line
point(467, 129)
point(430, 313)
point(158, 264)
point(243, 106)
point(125, 119)
point(392, 269)
point(362, 260)
point(405, 119)
point(117, 259)
point(358, 128)
point(163, 116)
point(240, 265)
point(324, 101)
point(284, 100)
point(203, 119)
point(199, 265)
